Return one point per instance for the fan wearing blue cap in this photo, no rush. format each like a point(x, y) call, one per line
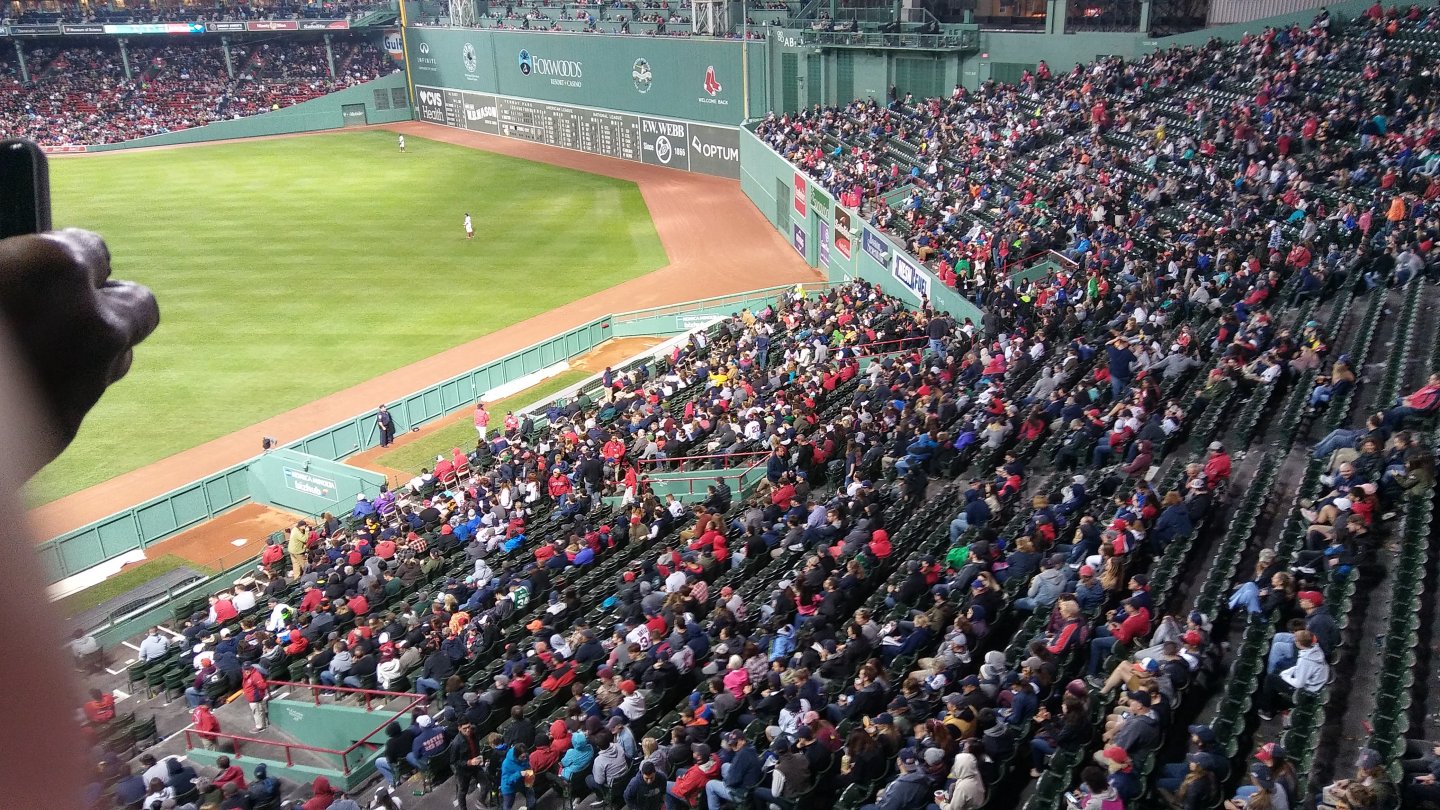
point(1204, 744)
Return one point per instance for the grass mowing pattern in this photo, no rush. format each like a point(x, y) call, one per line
point(289, 269)
point(461, 433)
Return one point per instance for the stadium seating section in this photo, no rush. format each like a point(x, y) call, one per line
point(80, 95)
point(1233, 228)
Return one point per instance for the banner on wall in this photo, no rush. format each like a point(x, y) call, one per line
point(797, 238)
point(913, 276)
point(394, 45)
point(842, 243)
point(876, 245)
point(800, 192)
point(694, 79)
point(824, 245)
point(842, 220)
point(684, 145)
point(819, 200)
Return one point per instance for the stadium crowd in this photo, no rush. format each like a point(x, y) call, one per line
point(151, 12)
point(80, 95)
point(1088, 163)
point(648, 652)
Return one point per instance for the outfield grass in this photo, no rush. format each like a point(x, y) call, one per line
point(420, 453)
point(123, 582)
point(290, 269)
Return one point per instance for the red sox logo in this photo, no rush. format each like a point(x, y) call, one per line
point(712, 85)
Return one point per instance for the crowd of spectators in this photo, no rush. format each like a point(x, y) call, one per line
point(81, 95)
point(148, 13)
point(1175, 242)
point(1324, 144)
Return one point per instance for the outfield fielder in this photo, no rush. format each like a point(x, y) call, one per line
point(402, 143)
point(469, 227)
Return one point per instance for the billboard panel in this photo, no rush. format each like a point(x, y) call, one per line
point(644, 139)
point(685, 79)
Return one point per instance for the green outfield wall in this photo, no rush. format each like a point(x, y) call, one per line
point(675, 103)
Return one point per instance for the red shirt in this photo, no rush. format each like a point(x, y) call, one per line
point(1217, 469)
point(225, 611)
point(100, 711)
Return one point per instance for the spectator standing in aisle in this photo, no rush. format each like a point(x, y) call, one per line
point(257, 694)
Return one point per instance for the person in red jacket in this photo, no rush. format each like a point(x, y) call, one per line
point(880, 543)
point(229, 774)
point(206, 725)
point(559, 487)
point(1217, 465)
point(444, 468)
point(100, 708)
point(257, 694)
point(691, 784)
point(1132, 625)
point(321, 795)
point(1423, 402)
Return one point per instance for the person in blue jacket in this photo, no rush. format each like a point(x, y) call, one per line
point(577, 760)
point(739, 770)
point(512, 777)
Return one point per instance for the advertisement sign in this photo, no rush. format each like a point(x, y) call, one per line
point(913, 276)
point(273, 25)
point(842, 220)
point(797, 238)
point(324, 25)
point(715, 150)
point(157, 28)
point(302, 481)
point(4, 31)
point(819, 200)
point(394, 45)
point(694, 79)
point(62, 150)
point(842, 243)
point(86, 28)
point(800, 191)
point(874, 244)
point(33, 30)
point(224, 27)
point(658, 141)
point(482, 113)
point(664, 143)
point(824, 246)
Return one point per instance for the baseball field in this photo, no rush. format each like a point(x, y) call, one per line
point(292, 268)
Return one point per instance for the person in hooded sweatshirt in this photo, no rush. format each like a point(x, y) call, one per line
point(577, 760)
point(609, 766)
point(321, 795)
point(180, 778)
point(512, 777)
point(968, 791)
point(686, 791)
point(1045, 587)
point(397, 746)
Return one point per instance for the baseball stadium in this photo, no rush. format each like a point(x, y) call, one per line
point(767, 405)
